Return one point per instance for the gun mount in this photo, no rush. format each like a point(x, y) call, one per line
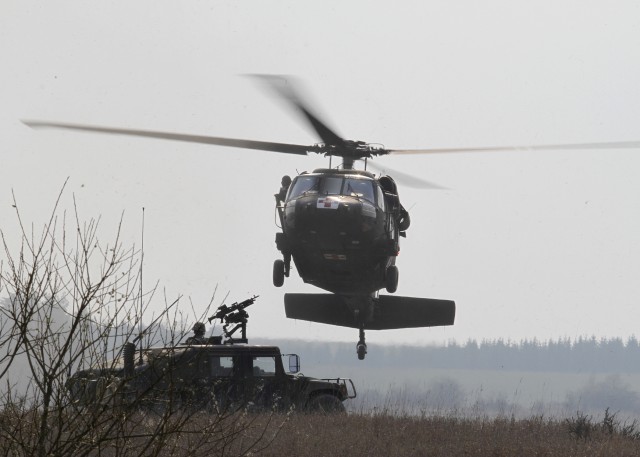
point(235, 315)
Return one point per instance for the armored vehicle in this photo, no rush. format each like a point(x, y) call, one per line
point(212, 377)
point(208, 374)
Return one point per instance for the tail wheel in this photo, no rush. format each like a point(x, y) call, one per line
point(361, 349)
point(278, 273)
point(392, 279)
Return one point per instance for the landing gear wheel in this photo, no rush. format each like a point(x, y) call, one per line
point(391, 279)
point(278, 273)
point(361, 347)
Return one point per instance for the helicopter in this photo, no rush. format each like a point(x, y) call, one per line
point(341, 226)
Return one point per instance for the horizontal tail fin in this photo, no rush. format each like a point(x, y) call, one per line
point(389, 311)
point(407, 312)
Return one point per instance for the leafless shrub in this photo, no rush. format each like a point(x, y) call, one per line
point(69, 302)
point(583, 427)
point(580, 426)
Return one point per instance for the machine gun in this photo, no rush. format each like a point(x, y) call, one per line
point(234, 314)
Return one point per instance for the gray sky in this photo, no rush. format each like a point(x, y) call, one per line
point(528, 244)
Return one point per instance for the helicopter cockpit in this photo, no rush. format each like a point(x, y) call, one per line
point(348, 186)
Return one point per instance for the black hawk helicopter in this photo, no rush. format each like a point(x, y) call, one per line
point(340, 226)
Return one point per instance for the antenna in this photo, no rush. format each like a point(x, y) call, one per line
point(141, 302)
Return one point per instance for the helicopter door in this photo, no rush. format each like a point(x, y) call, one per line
point(391, 202)
point(393, 234)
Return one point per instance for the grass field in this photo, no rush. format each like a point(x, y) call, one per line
point(383, 435)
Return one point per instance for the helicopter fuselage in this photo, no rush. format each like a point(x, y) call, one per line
point(340, 227)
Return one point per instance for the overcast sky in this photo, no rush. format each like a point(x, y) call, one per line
point(528, 244)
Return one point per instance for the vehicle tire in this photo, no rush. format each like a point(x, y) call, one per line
point(326, 404)
point(278, 273)
point(392, 279)
point(163, 406)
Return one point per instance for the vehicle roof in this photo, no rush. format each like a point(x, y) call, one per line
point(223, 347)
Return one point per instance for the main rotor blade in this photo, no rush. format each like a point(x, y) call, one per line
point(404, 178)
point(544, 147)
point(285, 87)
point(201, 139)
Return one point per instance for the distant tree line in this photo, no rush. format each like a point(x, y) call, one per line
point(582, 355)
point(592, 355)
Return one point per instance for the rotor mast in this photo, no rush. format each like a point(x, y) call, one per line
point(349, 151)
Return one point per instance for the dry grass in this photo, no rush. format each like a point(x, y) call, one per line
point(352, 435)
point(359, 435)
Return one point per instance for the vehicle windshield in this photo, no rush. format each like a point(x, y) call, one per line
point(333, 185)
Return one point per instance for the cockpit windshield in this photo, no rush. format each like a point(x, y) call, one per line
point(361, 188)
point(333, 185)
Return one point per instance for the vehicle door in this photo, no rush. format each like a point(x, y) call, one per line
point(225, 390)
point(265, 382)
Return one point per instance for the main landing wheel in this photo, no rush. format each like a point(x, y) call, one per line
point(278, 273)
point(391, 279)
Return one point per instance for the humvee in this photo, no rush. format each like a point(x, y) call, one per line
point(213, 377)
point(208, 374)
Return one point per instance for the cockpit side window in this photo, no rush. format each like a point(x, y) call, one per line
point(303, 184)
point(380, 198)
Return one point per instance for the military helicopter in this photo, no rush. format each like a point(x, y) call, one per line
point(341, 226)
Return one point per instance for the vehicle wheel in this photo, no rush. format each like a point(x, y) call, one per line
point(278, 273)
point(326, 404)
point(392, 279)
point(163, 406)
